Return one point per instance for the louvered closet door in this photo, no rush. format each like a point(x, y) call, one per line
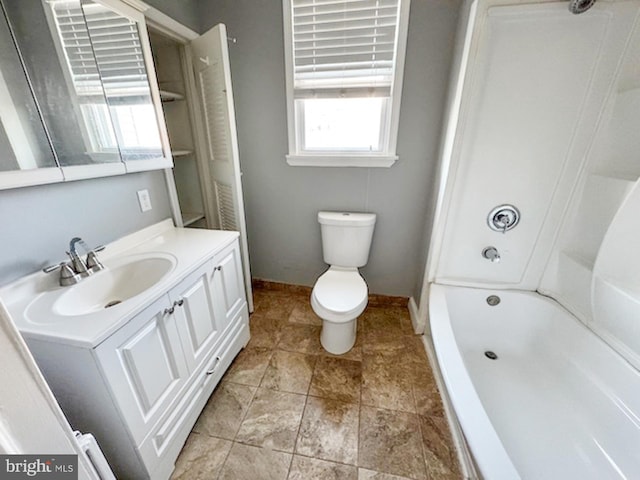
point(215, 95)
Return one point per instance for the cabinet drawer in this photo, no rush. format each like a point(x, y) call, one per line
point(167, 438)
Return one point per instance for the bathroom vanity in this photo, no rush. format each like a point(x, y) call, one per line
point(133, 352)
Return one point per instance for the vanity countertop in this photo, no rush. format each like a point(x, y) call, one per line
point(187, 249)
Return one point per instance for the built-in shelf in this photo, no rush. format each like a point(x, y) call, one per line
point(620, 176)
point(167, 96)
point(181, 153)
point(191, 218)
point(580, 259)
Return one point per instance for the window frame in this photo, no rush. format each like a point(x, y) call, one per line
point(297, 156)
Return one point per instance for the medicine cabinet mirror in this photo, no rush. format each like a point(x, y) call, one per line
point(82, 96)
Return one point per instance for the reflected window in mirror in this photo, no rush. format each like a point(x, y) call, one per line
point(23, 140)
point(61, 107)
point(88, 74)
point(103, 54)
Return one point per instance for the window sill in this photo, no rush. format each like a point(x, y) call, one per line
point(341, 160)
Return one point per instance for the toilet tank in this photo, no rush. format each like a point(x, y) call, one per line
point(346, 237)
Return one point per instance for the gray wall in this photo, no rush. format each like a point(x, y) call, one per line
point(38, 222)
point(282, 201)
point(184, 11)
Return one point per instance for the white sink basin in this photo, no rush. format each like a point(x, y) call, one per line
point(120, 281)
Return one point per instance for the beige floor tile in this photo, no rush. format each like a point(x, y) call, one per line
point(303, 313)
point(387, 368)
point(386, 382)
point(364, 474)
point(273, 420)
point(201, 458)
point(274, 304)
point(249, 366)
point(329, 431)
point(301, 338)
point(440, 456)
point(289, 372)
point(383, 341)
point(382, 319)
point(427, 397)
point(337, 378)
point(224, 411)
point(390, 442)
point(246, 462)
point(305, 468)
point(265, 331)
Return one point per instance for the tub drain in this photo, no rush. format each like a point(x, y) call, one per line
point(493, 300)
point(490, 355)
point(112, 303)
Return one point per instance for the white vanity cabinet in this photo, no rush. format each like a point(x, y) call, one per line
point(141, 389)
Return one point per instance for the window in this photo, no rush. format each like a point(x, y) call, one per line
point(344, 61)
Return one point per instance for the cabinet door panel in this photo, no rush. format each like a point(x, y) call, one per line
point(144, 364)
point(148, 361)
point(228, 281)
point(194, 309)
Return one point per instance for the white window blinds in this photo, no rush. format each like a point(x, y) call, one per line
point(344, 45)
point(101, 48)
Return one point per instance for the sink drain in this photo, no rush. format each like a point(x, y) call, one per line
point(493, 300)
point(490, 355)
point(112, 303)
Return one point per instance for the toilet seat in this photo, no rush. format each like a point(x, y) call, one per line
point(339, 295)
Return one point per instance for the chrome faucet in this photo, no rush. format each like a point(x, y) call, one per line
point(78, 265)
point(492, 254)
point(73, 271)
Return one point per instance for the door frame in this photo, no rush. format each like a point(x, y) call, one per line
point(183, 35)
point(32, 420)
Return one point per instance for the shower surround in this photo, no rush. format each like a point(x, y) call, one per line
point(544, 109)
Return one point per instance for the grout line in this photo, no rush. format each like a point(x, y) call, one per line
point(328, 461)
point(226, 457)
point(295, 444)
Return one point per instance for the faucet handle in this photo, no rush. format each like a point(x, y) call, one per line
point(67, 275)
point(99, 248)
point(53, 268)
point(93, 263)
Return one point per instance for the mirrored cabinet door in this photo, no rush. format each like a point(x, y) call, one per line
point(120, 61)
point(90, 70)
point(53, 40)
point(25, 153)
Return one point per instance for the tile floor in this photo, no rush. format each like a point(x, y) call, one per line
point(288, 410)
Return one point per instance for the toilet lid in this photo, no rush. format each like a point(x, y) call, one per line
point(340, 291)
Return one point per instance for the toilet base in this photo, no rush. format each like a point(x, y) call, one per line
point(338, 338)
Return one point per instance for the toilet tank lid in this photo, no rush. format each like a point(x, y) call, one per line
point(347, 219)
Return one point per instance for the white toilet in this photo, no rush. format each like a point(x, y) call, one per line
point(341, 294)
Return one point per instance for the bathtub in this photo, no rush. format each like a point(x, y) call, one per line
point(557, 403)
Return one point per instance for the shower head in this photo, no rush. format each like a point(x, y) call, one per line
point(580, 6)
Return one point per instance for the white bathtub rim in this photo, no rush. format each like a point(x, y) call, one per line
point(465, 459)
point(487, 448)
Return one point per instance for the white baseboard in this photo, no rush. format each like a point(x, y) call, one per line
point(418, 326)
point(462, 450)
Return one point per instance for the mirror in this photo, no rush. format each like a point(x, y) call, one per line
point(119, 59)
point(86, 67)
point(23, 140)
point(54, 43)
